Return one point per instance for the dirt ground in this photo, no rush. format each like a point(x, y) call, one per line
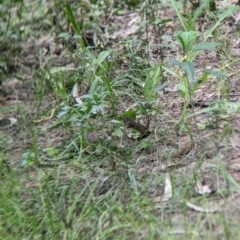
point(204, 159)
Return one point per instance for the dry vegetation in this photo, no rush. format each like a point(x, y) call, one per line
point(119, 120)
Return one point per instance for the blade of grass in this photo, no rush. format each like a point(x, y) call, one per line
point(184, 25)
point(173, 73)
point(73, 21)
point(109, 88)
point(199, 11)
point(222, 16)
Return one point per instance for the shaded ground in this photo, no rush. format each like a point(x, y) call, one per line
point(84, 172)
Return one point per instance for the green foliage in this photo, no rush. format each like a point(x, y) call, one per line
point(153, 78)
point(187, 40)
point(75, 25)
point(82, 172)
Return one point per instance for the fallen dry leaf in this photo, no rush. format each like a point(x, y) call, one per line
point(129, 28)
point(202, 188)
point(206, 207)
point(234, 164)
point(76, 94)
point(167, 190)
point(7, 122)
point(92, 137)
point(11, 84)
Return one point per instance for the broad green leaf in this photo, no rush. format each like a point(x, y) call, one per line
point(97, 108)
point(64, 35)
point(187, 39)
point(131, 114)
point(182, 87)
point(87, 96)
point(102, 56)
point(118, 132)
point(61, 114)
point(97, 80)
point(175, 62)
point(182, 43)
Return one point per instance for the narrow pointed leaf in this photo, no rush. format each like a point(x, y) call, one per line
point(177, 9)
point(175, 62)
point(222, 16)
point(190, 70)
point(209, 46)
point(216, 73)
point(103, 55)
point(72, 18)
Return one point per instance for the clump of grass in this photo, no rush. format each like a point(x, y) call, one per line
point(89, 171)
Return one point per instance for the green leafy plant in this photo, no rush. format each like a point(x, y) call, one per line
point(188, 41)
point(78, 167)
point(152, 79)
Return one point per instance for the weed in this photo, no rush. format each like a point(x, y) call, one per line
point(129, 131)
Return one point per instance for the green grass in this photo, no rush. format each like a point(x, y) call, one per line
point(91, 170)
